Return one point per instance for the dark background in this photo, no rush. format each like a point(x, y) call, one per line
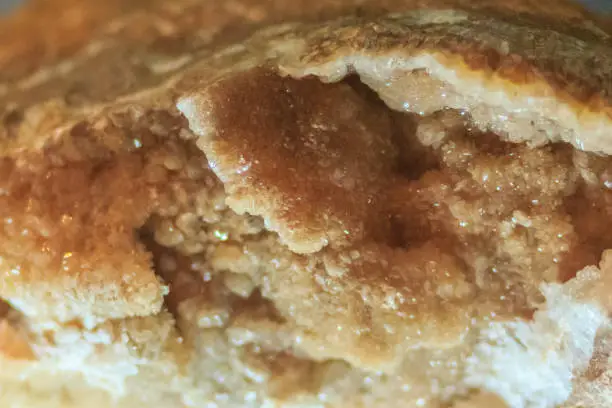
point(7, 4)
point(597, 5)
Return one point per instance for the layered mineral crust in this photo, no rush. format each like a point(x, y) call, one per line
point(326, 203)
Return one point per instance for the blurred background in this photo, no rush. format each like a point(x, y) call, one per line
point(7, 4)
point(596, 5)
point(599, 5)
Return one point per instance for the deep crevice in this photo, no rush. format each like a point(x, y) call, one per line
point(589, 208)
point(166, 274)
point(257, 306)
point(12, 315)
point(414, 158)
point(5, 308)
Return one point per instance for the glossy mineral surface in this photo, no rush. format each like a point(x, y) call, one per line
point(304, 245)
